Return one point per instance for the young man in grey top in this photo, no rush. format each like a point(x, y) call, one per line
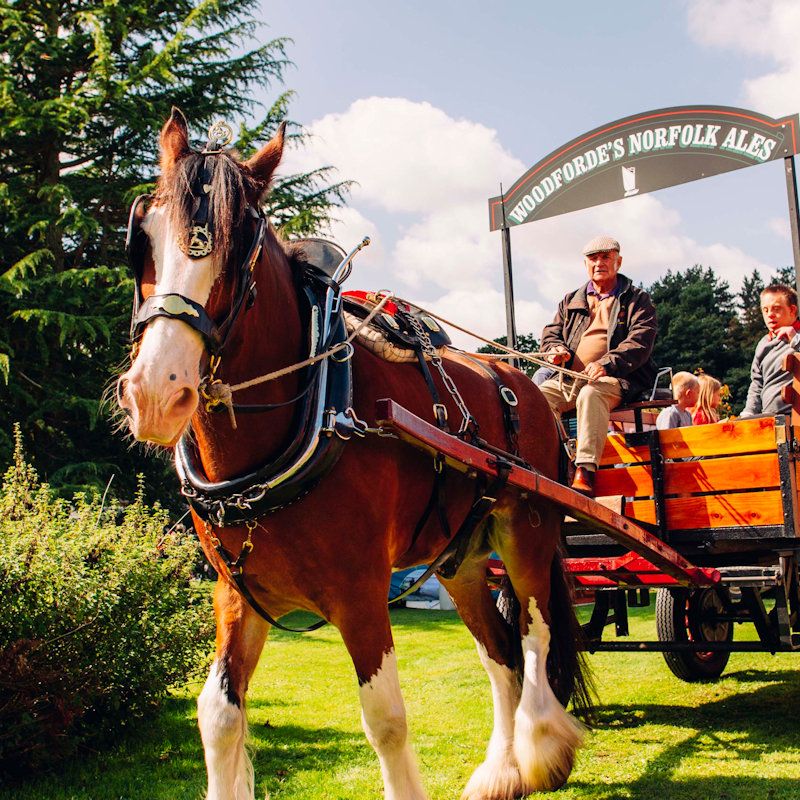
point(767, 376)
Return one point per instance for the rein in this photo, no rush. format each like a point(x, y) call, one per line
point(218, 393)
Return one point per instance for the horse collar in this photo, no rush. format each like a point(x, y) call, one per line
point(324, 422)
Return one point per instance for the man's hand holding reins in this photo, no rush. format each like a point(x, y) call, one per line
point(558, 354)
point(593, 371)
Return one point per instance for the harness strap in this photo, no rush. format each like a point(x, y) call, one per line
point(508, 402)
point(439, 408)
point(236, 575)
point(450, 560)
point(436, 500)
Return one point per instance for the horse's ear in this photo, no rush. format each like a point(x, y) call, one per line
point(174, 140)
point(263, 164)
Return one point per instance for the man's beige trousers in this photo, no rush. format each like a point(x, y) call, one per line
point(592, 402)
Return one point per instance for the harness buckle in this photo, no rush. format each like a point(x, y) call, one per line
point(508, 395)
point(440, 411)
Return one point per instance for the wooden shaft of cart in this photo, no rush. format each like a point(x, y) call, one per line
point(465, 457)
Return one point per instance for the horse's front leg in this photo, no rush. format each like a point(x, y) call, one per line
point(367, 635)
point(221, 706)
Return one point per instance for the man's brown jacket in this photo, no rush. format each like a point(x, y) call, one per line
point(631, 336)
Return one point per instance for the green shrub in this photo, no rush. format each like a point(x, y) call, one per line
point(97, 620)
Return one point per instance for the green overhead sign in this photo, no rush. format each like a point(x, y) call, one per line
point(641, 154)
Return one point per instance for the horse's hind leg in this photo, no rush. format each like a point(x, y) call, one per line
point(221, 706)
point(545, 735)
point(498, 777)
point(367, 634)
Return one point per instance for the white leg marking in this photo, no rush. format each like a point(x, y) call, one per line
point(223, 729)
point(498, 776)
point(545, 735)
point(383, 716)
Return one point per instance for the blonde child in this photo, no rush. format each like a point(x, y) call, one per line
point(685, 390)
point(705, 412)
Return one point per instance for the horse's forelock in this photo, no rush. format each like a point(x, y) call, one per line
point(230, 188)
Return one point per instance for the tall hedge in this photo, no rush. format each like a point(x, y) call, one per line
point(100, 614)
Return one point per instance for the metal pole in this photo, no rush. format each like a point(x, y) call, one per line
point(511, 325)
point(508, 283)
point(794, 216)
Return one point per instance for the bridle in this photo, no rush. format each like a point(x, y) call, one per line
point(199, 244)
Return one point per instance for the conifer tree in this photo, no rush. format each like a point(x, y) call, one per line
point(84, 89)
point(696, 320)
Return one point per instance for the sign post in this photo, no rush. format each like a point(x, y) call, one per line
point(794, 219)
point(508, 284)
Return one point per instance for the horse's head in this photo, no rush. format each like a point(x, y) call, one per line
point(193, 247)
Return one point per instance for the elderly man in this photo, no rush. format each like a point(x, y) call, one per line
point(606, 331)
point(767, 376)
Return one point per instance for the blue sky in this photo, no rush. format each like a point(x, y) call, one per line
point(430, 106)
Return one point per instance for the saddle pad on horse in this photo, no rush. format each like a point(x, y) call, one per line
point(390, 334)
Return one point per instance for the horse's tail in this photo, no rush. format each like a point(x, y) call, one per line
point(567, 668)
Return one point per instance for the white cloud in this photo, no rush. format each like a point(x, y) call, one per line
point(406, 156)
point(779, 227)
point(766, 29)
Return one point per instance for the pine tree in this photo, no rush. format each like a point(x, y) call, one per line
point(84, 89)
point(526, 343)
point(697, 321)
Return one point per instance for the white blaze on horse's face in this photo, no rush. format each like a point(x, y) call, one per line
point(160, 390)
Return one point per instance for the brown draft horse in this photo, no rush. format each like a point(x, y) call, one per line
point(358, 523)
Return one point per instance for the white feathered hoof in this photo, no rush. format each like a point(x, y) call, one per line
point(494, 781)
point(547, 754)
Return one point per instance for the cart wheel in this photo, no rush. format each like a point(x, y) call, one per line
point(684, 616)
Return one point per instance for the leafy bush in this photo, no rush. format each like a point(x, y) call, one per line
point(97, 619)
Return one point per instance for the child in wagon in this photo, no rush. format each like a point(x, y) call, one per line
point(685, 390)
point(705, 412)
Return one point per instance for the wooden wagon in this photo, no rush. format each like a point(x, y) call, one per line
point(706, 517)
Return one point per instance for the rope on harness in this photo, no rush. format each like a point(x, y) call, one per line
point(219, 393)
point(538, 358)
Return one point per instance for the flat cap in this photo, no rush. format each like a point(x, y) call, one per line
point(600, 244)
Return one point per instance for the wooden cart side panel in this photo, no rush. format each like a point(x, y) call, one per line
point(722, 438)
point(736, 473)
point(632, 481)
point(617, 452)
point(714, 511)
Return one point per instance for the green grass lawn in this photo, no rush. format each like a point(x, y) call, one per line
point(656, 737)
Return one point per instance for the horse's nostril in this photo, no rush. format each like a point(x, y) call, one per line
point(183, 402)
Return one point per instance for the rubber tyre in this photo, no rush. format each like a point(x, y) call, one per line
point(681, 616)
